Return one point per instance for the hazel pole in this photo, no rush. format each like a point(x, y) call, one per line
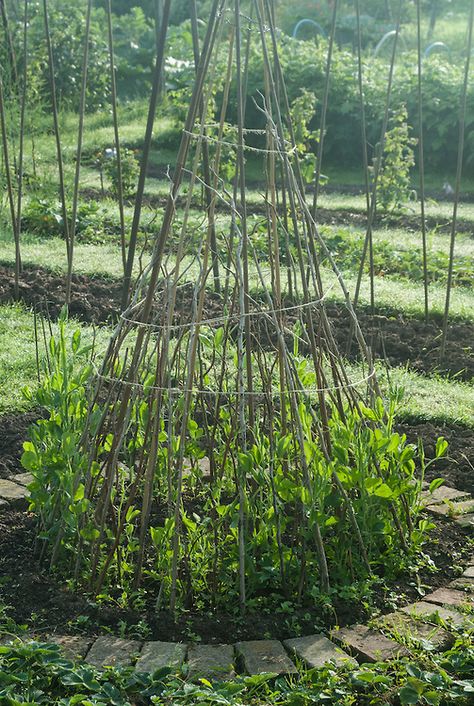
point(80, 137)
point(118, 148)
point(155, 91)
point(462, 130)
point(21, 150)
point(57, 134)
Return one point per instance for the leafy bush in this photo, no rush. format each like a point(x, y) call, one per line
point(371, 465)
point(43, 217)
point(67, 27)
point(130, 168)
point(394, 165)
point(304, 65)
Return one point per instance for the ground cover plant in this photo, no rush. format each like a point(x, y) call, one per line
point(230, 447)
point(419, 680)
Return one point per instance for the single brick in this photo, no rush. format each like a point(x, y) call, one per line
point(15, 494)
point(211, 661)
point(466, 521)
point(450, 597)
point(73, 647)
point(452, 509)
point(265, 657)
point(108, 651)
point(401, 624)
point(429, 611)
point(462, 583)
point(204, 465)
point(442, 494)
point(23, 478)
point(156, 655)
point(469, 573)
point(370, 645)
point(316, 651)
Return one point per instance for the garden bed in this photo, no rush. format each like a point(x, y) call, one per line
point(44, 603)
point(325, 216)
point(47, 606)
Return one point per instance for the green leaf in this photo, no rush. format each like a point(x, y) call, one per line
point(131, 513)
point(282, 446)
point(441, 446)
point(79, 494)
point(436, 483)
point(383, 491)
point(245, 462)
point(218, 336)
point(408, 695)
point(76, 340)
point(90, 533)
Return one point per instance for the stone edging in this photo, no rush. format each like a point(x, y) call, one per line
point(361, 643)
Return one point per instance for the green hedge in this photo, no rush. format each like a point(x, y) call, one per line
point(304, 65)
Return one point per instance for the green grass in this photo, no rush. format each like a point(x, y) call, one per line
point(98, 130)
point(432, 398)
point(18, 367)
point(90, 260)
point(426, 397)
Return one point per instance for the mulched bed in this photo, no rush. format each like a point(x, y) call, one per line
point(42, 602)
point(398, 339)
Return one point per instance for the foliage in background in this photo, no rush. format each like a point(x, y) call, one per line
point(304, 64)
point(67, 27)
point(395, 164)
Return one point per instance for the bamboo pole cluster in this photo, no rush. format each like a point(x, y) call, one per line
point(229, 366)
point(226, 355)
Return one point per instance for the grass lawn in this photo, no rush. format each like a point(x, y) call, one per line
point(426, 397)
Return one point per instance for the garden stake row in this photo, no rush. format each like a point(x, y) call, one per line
point(117, 146)
point(322, 129)
point(378, 164)
point(421, 161)
point(8, 177)
point(155, 92)
point(80, 136)
point(57, 134)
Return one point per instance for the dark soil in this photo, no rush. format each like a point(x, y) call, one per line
point(457, 467)
point(13, 432)
point(42, 602)
point(93, 299)
point(398, 339)
point(402, 340)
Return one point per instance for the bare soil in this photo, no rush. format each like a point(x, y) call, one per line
point(398, 339)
